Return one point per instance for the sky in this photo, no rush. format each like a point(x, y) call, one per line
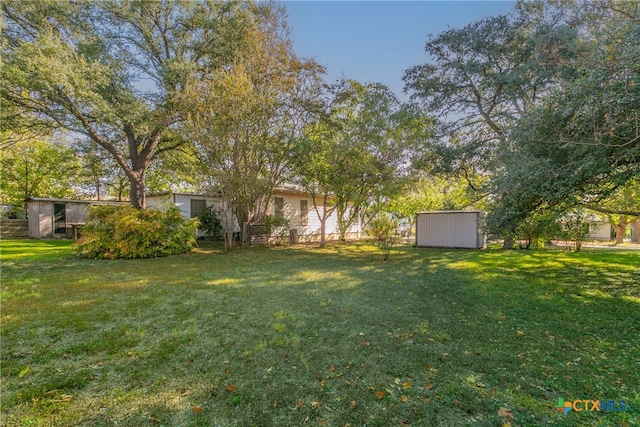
point(376, 41)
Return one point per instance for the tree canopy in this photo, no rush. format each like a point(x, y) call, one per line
point(114, 71)
point(544, 102)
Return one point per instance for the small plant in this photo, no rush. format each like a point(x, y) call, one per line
point(383, 229)
point(125, 232)
point(276, 227)
point(210, 223)
point(575, 228)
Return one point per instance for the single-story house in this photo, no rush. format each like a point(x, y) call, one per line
point(59, 218)
point(287, 201)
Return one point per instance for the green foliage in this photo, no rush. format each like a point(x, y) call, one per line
point(210, 222)
point(246, 116)
point(538, 228)
point(77, 66)
point(276, 226)
point(36, 168)
point(383, 228)
point(125, 232)
point(575, 228)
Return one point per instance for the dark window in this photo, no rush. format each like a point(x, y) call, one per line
point(59, 218)
point(279, 207)
point(198, 207)
point(304, 212)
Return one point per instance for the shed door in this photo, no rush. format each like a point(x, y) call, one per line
point(59, 218)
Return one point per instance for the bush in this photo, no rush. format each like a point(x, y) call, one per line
point(210, 223)
point(383, 229)
point(125, 232)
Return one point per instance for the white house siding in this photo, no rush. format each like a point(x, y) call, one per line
point(311, 231)
point(601, 231)
point(183, 202)
point(449, 229)
point(306, 233)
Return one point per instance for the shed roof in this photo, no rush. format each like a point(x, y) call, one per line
point(447, 212)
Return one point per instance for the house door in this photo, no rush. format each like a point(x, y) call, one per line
point(59, 218)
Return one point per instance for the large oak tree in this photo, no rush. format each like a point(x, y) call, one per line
point(113, 71)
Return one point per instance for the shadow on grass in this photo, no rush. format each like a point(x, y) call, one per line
point(332, 336)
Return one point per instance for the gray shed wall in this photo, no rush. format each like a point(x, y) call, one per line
point(454, 229)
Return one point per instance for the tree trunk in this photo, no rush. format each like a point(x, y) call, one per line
point(620, 228)
point(323, 226)
point(635, 236)
point(507, 243)
point(137, 190)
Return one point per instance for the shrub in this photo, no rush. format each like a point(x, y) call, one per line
point(383, 229)
point(125, 232)
point(277, 227)
point(210, 223)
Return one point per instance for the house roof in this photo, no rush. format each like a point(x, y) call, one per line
point(88, 202)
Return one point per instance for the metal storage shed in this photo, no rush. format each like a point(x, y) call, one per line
point(450, 229)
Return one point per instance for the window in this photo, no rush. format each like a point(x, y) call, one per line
point(198, 207)
point(279, 207)
point(304, 212)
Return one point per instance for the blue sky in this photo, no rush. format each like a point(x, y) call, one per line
point(375, 41)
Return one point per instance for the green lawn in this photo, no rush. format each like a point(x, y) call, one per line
point(309, 336)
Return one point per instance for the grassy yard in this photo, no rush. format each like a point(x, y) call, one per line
point(309, 336)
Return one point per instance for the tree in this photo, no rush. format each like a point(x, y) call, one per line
point(480, 82)
point(580, 143)
point(364, 147)
point(114, 71)
point(438, 192)
point(36, 168)
point(247, 117)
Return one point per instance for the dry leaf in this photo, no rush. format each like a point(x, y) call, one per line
point(406, 385)
point(429, 386)
point(380, 394)
point(520, 333)
point(332, 368)
point(231, 387)
point(299, 404)
point(426, 400)
point(505, 413)
point(197, 409)
point(404, 398)
point(353, 403)
point(506, 424)
point(366, 343)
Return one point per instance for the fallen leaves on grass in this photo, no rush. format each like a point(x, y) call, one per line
point(197, 409)
point(505, 413)
point(381, 394)
point(231, 387)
